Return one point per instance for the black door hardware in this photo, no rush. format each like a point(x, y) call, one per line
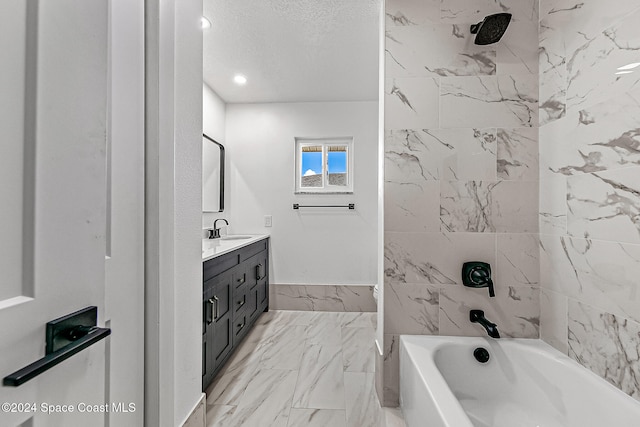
point(65, 337)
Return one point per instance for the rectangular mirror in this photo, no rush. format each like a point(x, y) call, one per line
point(212, 175)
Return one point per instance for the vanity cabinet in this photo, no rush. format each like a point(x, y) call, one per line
point(235, 292)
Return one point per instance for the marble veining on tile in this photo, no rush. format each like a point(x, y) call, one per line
point(408, 205)
point(409, 12)
point(473, 156)
point(391, 370)
point(606, 344)
point(464, 12)
point(461, 169)
point(450, 53)
point(596, 272)
point(414, 157)
point(489, 101)
point(281, 349)
point(220, 415)
point(493, 206)
point(411, 103)
point(322, 297)
point(515, 309)
point(467, 206)
point(518, 154)
point(595, 61)
point(518, 259)
point(601, 137)
point(553, 319)
point(578, 21)
point(358, 349)
point(358, 320)
point(411, 308)
point(317, 418)
point(328, 333)
point(320, 383)
point(605, 205)
point(553, 205)
point(581, 43)
point(411, 157)
point(230, 385)
point(517, 51)
point(433, 258)
point(266, 397)
point(363, 408)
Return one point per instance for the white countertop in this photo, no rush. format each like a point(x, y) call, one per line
point(212, 248)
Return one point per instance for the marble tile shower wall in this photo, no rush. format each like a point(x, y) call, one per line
point(461, 171)
point(590, 185)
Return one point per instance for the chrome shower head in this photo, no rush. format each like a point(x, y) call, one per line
point(491, 29)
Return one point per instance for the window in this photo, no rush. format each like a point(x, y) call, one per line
point(324, 165)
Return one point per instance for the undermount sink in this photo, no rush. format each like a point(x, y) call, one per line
point(235, 237)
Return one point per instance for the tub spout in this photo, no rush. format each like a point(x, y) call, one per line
point(477, 316)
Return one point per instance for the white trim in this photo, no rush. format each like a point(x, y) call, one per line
point(326, 142)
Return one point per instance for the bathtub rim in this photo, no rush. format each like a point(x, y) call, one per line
point(427, 346)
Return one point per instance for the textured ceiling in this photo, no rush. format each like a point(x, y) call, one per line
point(292, 50)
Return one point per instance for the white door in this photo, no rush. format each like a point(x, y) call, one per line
point(58, 251)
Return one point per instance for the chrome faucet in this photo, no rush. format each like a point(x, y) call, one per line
point(477, 316)
point(215, 233)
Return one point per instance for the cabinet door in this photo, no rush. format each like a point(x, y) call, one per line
point(262, 271)
point(253, 308)
point(221, 338)
point(208, 361)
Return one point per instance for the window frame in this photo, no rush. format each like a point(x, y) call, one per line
point(325, 143)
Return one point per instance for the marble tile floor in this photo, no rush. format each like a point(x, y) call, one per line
point(302, 369)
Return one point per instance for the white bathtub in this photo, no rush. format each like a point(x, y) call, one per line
point(525, 383)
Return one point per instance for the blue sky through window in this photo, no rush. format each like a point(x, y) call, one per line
point(337, 162)
point(311, 161)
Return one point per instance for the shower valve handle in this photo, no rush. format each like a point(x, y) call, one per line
point(477, 274)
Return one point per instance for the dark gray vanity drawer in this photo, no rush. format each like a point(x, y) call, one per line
point(253, 249)
point(220, 264)
point(240, 326)
point(240, 299)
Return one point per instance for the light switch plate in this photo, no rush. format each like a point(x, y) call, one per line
point(268, 220)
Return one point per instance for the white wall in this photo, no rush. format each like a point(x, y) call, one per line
point(213, 124)
point(173, 167)
point(213, 114)
point(313, 246)
point(188, 207)
point(124, 295)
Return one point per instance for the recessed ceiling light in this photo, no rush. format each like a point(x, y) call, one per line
point(239, 79)
point(624, 72)
point(629, 66)
point(205, 23)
